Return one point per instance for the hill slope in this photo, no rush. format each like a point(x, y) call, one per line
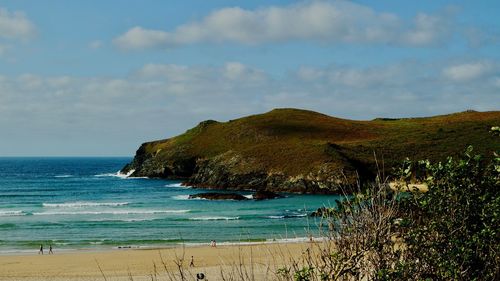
point(303, 151)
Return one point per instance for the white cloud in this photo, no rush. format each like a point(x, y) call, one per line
point(15, 25)
point(236, 71)
point(321, 21)
point(428, 30)
point(481, 35)
point(467, 71)
point(140, 38)
point(161, 100)
point(96, 44)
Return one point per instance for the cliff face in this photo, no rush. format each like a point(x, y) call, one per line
point(222, 172)
point(302, 151)
point(232, 171)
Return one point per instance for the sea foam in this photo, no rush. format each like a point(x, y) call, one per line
point(120, 175)
point(214, 218)
point(12, 213)
point(287, 216)
point(63, 176)
point(179, 185)
point(180, 197)
point(84, 204)
point(120, 212)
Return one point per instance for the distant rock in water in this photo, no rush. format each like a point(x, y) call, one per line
point(218, 196)
point(265, 195)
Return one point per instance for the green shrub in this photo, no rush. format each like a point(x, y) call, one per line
point(454, 230)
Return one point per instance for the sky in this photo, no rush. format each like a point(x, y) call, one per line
point(98, 78)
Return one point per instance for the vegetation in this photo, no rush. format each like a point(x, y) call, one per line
point(309, 145)
point(454, 228)
point(363, 241)
point(450, 232)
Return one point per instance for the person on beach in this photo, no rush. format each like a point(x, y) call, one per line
point(192, 262)
point(50, 250)
point(41, 249)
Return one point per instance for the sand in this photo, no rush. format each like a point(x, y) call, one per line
point(410, 187)
point(120, 264)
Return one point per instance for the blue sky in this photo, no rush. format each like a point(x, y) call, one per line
point(100, 77)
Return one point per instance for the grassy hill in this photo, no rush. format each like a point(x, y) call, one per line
point(305, 151)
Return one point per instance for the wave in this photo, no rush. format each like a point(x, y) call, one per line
point(180, 197)
point(259, 241)
point(275, 217)
point(124, 212)
point(122, 220)
point(214, 218)
point(186, 197)
point(12, 213)
point(84, 204)
point(63, 176)
point(120, 175)
point(178, 185)
point(286, 216)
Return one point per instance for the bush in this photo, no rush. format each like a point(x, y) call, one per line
point(454, 230)
point(450, 232)
point(361, 240)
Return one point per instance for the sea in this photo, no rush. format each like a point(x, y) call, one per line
point(86, 204)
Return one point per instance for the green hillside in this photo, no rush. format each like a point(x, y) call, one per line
point(305, 151)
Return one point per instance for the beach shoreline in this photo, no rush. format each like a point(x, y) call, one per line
point(142, 264)
point(34, 251)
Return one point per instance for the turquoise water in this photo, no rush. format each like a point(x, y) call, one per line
point(79, 203)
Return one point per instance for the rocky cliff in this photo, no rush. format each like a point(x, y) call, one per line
point(303, 151)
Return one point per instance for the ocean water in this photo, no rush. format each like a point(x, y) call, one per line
point(83, 203)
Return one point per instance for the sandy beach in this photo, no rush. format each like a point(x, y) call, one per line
point(147, 264)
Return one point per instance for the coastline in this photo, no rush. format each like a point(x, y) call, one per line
point(166, 246)
point(119, 264)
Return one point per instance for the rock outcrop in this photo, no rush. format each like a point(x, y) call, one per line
point(218, 196)
point(265, 195)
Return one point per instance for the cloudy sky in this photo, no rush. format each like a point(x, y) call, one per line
point(98, 78)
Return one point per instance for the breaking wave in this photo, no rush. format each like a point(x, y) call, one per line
point(214, 218)
point(120, 175)
point(63, 176)
point(12, 213)
point(84, 204)
point(180, 197)
point(122, 212)
point(178, 185)
point(287, 216)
